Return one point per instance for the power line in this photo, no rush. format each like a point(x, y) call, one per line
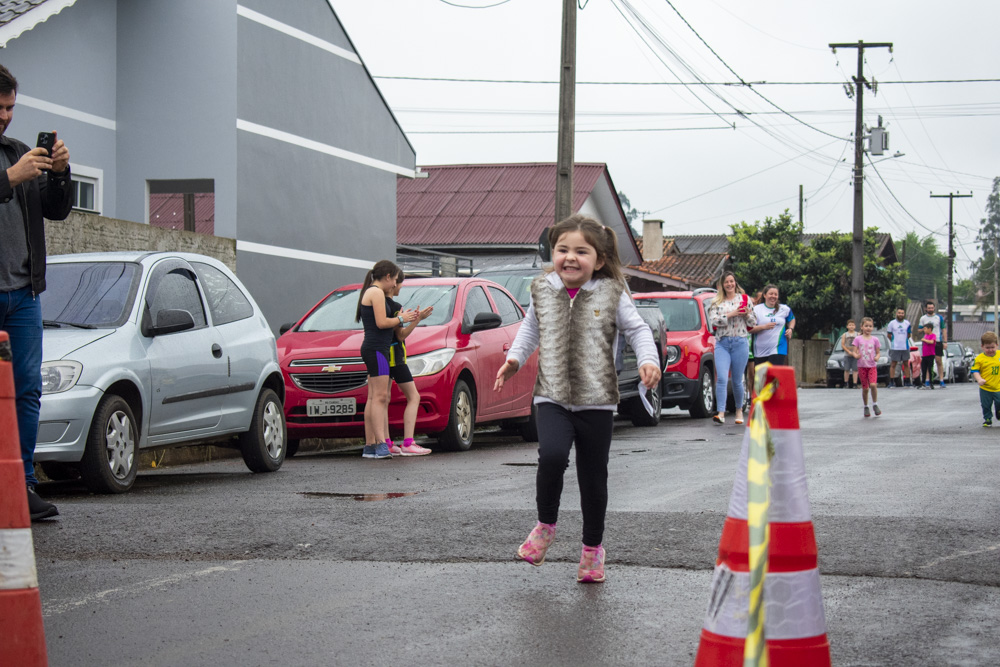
point(668, 83)
point(578, 131)
point(751, 88)
point(455, 4)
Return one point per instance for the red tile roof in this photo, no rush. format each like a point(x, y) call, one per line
point(484, 204)
point(697, 269)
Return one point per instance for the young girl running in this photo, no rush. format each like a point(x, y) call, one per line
point(378, 325)
point(866, 347)
point(575, 314)
point(400, 373)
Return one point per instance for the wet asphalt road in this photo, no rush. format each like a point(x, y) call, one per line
point(210, 565)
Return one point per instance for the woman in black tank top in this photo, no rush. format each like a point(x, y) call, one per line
point(378, 327)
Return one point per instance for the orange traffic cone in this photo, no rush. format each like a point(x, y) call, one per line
point(23, 640)
point(794, 625)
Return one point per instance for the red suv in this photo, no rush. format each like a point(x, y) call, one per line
point(689, 373)
point(454, 355)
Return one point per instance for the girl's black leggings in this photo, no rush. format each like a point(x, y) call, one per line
point(926, 368)
point(558, 430)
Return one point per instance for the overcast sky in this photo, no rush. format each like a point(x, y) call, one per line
point(672, 149)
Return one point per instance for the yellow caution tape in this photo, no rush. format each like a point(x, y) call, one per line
point(761, 450)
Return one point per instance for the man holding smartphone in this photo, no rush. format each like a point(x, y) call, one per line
point(34, 184)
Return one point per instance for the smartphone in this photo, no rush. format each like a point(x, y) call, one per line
point(46, 140)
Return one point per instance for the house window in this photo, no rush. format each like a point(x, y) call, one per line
point(187, 205)
point(84, 191)
point(86, 184)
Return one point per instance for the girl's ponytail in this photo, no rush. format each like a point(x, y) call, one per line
point(361, 294)
point(382, 268)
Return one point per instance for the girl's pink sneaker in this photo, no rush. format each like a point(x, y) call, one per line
point(413, 449)
point(591, 565)
point(538, 542)
point(393, 448)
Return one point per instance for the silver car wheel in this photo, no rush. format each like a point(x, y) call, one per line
point(120, 445)
point(707, 391)
point(273, 431)
point(463, 410)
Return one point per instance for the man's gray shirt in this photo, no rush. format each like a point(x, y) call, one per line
point(14, 273)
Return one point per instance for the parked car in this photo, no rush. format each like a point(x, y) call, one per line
point(835, 364)
point(959, 363)
point(454, 356)
point(689, 369)
point(152, 349)
point(517, 280)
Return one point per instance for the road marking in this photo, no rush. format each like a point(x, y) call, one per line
point(56, 608)
point(959, 554)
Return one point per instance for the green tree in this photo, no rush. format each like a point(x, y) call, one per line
point(631, 214)
point(926, 265)
point(814, 279)
point(988, 240)
point(965, 291)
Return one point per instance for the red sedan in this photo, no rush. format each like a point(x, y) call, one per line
point(453, 355)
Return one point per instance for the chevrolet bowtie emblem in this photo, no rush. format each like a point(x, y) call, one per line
point(330, 369)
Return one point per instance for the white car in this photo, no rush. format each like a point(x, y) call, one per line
point(152, 349)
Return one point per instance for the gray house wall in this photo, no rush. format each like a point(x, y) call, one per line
point(301, 147)
point(70, 61)
point(343, 209)
point(177, 101)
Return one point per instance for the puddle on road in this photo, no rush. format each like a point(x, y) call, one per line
point(526, 465)
point(362, 497)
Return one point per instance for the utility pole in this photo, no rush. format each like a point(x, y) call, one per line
point(951, 251)
point(800, 203)
point(995, 323)
point(858, 246)
point(567, 113)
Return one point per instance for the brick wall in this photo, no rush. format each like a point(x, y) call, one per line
point(86, 232)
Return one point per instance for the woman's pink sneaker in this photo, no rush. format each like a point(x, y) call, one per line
point(393, 448)
point(413, 449)
point(591, 565)
point(538, 542)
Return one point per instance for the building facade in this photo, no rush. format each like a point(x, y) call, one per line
point(261, 110)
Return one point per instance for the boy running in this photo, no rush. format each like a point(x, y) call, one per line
point(986, 373)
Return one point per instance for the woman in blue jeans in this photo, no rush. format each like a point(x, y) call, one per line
point(730, 315)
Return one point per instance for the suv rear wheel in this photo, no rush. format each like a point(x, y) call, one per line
point(704, 401)
point(638, 413)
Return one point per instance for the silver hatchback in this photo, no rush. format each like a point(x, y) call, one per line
point(152, 349)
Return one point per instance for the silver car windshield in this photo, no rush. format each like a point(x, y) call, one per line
point(337, 312)
point(89, 294)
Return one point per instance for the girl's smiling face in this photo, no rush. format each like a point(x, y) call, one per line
point(729, 285)
point(574, 259)
point(771, 298)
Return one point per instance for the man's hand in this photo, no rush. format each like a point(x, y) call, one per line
point(60, 157)
point(31, 165)
point(650, 375)
point(505, 373)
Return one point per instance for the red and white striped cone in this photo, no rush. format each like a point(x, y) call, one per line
point(794, 622)
point(23, 641)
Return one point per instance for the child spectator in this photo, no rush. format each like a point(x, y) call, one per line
point(927, 350)
point(986, 373)
point(850, 360)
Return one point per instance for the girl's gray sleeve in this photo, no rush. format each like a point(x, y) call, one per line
point(636, 331)
point(526, 340)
